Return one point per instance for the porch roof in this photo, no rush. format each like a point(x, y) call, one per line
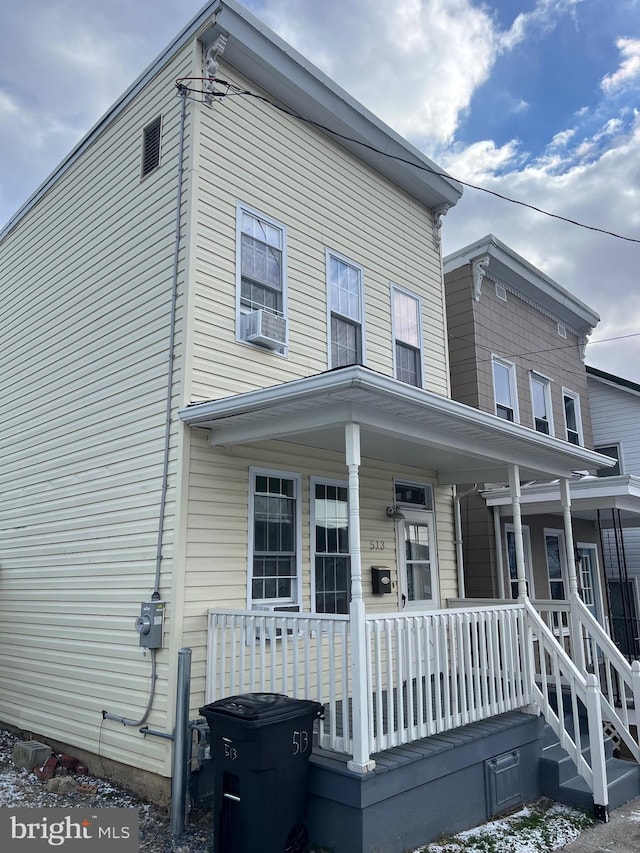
point(588, 496)
point(398, 423)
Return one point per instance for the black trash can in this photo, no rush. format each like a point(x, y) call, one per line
point(260, 744)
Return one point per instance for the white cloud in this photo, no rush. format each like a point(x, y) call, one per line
point(600, 270)
point(444, 48)
point(628, 74)
point(540, 20)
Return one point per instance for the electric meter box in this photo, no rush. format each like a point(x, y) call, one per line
point(380, 580)
point(150, 624)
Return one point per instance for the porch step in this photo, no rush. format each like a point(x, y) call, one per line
point(560, 781)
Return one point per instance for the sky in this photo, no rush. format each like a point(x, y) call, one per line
point(538, 100)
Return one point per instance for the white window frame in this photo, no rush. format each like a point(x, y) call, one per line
point(578, 413)
point(534, 376)
point(513, 386)
point(559, 535)
point(242, 310)
point(329, 255)
point(296, 597)
point(323, 481)
point(428, 506)
point(419, 350)
point(598, 604)
point(528, 560)
point(602, 447)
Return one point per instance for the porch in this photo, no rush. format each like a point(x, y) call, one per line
point(431, 673)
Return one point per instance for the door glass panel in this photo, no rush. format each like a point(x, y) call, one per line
point(418, 562)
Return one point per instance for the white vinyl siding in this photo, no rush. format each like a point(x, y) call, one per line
point(615, 412)
point(328, 199)
point(85, 331)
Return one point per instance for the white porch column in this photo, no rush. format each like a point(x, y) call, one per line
point(577, 647)
point(360, 761)
point(516, 495)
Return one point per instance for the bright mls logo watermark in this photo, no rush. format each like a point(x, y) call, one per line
point(34, 830)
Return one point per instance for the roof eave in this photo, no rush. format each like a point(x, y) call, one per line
point(515, 270)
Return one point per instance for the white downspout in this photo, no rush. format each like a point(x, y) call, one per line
point(458, 532)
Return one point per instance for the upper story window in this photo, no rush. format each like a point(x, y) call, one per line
point(504, 389)
point(572, 417)
point(345, 303)
point(151, 136)
point(261, 265)
point(407, 335)
point(541, 403)
point(609, 450)
point(274, 546)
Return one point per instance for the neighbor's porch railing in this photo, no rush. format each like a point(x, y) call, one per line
point(427, 672)
point(618, 681)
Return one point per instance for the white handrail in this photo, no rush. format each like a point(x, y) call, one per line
point(555, 676)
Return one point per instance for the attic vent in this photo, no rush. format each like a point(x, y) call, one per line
point(151, 146)
point(501, 291)
point(262, 327)
point(562, 330)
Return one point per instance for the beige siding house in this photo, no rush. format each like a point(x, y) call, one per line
point(227, 427)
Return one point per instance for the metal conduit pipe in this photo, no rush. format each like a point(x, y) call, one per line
point(167, 432)
point(152, 689)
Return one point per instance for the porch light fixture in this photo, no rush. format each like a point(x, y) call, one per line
point(395, 512)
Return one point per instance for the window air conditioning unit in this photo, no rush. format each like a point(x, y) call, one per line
point(262, 327)
point(274, 609)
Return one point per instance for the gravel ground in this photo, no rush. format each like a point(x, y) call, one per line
point(19, 787)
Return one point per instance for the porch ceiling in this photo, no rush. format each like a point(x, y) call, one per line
point(398, 423)
point(588, 496)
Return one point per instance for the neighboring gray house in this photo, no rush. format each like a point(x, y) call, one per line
point(615, 415)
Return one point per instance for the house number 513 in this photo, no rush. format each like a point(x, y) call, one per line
point(376, 545)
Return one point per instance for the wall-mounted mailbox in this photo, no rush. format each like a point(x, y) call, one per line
point(380, 580)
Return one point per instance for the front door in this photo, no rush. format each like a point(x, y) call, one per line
point(417, 562)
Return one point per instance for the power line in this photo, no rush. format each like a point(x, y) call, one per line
point(235, 91)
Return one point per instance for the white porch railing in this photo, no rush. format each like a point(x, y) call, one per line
point(559, 689)
point(427, 672)
point(431, 672)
